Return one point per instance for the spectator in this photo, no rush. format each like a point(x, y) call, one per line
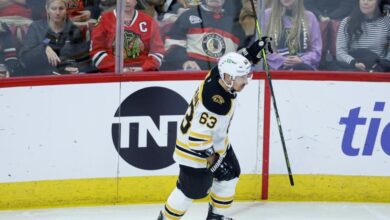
point(8, 59)
point(329, 13)
point(54, 45)
point(200, 36)
point(363, 38)
point(14, 7)
point(143, 47)
point(297, 36)
point(75, 9)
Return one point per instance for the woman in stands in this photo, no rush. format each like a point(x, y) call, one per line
point(297, 36)
point(363, 38)
point(54, 45)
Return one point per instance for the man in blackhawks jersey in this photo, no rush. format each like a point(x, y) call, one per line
point(200, 36)
point(143, 47)
point(205, 156)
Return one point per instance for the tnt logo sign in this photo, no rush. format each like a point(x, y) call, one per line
point(372, 125)
point(149, 119)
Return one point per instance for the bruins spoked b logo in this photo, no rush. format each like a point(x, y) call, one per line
point(146, 135)
point(214, 45)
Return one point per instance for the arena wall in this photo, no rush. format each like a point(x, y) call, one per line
point(107, 139)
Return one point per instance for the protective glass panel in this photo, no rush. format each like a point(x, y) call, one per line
point(56, 37)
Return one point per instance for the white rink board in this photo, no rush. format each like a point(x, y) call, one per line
point(64, 132)
point(310, 112)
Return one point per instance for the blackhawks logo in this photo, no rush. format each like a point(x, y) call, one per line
point(214, 45)
point(133, 45)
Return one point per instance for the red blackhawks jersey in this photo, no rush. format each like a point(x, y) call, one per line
point(143, 46)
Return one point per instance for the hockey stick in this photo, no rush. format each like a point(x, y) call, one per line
point(266, 68)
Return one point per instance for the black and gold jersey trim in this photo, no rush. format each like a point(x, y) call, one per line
point(183, 151)
point(196, 139)
point(214, 97)
point(190, 152)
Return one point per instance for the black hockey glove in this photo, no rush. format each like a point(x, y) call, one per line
point(253, 52)
point(222, 169)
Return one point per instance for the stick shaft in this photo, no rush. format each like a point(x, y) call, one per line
point(269, 80)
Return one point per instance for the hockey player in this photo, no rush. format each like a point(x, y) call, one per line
point(143, 47)
point(205, 156)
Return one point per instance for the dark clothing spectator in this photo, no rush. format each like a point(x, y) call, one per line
point(67, 44)
point(199, 37)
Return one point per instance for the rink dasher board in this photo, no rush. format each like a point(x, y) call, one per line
point(67, 155)
point(65, 132)
point(330, 163)
point(313, 116)
point(57, 145)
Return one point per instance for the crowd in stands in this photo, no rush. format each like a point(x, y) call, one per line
point(46, 37)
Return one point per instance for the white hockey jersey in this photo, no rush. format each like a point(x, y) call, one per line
point(206, 123)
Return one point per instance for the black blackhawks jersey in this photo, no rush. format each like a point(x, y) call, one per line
point(206, 123)
point(203, 36)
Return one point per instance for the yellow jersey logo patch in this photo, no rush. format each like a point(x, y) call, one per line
point(218, 99)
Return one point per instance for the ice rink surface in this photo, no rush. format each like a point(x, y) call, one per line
point(198, 211)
